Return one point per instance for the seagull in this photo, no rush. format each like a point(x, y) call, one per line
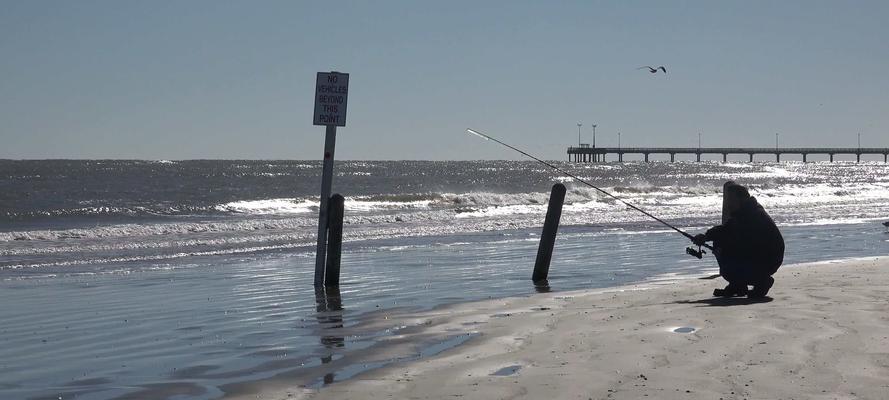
point(654, 70)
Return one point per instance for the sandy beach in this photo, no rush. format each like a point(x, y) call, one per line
point(824, 335)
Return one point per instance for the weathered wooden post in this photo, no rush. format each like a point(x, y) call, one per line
point(334, 240)
point(548, 237)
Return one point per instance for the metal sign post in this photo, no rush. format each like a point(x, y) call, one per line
point(331, 95)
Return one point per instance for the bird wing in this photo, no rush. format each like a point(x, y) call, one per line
point(663, 69)
point(645, 67)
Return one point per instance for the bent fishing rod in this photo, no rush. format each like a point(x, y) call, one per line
point(696, 253)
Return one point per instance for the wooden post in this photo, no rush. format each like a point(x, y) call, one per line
point(548, 237)
point(326, 183)
point(334, 240)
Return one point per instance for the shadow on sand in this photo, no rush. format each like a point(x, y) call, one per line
point(726, 301)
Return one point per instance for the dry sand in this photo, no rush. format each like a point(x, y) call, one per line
point(824, 336)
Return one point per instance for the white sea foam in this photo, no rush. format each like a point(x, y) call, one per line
point(270, 206)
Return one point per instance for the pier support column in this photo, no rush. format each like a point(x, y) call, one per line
point(831, 157)
point(620, 157)
point(804, 157)
point(858, 157)
point(699, 157)
point(724, 157)
point(672, 157)
point(548, 237)
point(885, 157)
point(751, 157)
point(777, 157)
point(646, 157)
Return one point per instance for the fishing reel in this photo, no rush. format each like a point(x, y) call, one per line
point(699, 253)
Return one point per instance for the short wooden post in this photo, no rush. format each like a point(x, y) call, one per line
point(548, 237)
point(334, 240)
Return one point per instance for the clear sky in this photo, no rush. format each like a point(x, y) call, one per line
point(223, 79)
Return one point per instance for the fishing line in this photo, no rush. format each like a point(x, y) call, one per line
point(575, 177)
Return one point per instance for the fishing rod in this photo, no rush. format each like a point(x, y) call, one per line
point(696, 253)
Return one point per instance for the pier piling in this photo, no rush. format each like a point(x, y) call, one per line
point(548, 237)
point(334, 240)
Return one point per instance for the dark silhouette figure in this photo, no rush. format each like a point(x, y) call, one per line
point(886, 224)
point(654, 70)
point(748, 246)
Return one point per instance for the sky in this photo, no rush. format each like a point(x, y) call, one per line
point(235, 79)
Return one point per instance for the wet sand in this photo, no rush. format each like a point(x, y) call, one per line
point(824, 335)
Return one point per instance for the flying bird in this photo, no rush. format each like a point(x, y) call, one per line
point(654, 70)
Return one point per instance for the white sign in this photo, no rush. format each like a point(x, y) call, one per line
point(331, 93)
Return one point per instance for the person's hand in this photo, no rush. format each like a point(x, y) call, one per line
point(699, 239)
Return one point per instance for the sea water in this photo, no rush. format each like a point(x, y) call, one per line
point(147, 279)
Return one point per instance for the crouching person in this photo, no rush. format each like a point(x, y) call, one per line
point(748, 246)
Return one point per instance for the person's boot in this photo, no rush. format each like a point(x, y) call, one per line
point(760, 290)
point(731, 291)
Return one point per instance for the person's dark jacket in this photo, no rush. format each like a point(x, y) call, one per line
point(750, 235)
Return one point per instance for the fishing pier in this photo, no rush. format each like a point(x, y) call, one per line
point(585, 153)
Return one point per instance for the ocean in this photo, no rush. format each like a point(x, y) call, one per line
point(186, 279)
